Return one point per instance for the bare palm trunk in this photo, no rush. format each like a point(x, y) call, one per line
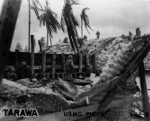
point(47, 38)
point(50, 41)
point(81, 27)
point(29, 27)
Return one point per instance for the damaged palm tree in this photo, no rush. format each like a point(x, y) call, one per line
point(48, 18)
point(85, 19)
point(71, 23)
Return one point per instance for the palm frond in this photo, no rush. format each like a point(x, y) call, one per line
point(62, 23)
point(71, 23)
point(85, 19)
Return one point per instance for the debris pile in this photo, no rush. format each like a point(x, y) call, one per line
point(118, 59)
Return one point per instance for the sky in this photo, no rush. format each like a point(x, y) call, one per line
point(110, 17)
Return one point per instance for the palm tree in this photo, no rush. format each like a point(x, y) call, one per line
point(48, 18)
point(68, 19)
point(85, 19)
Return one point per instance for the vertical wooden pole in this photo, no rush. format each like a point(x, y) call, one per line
point(63, 65)
point(144, 92)
point(63, 62)
point(47, 38)
point(53, 65)
point(8, 21)
point(16, 62)
point(29, 26)
point(32, 54)
point(43, 62)
point(80, 62)
point(94, 62)
point(81, 27)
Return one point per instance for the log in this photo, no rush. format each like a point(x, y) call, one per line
point(80, 63)
point(43, 62)
point(63, 62)
point(144, 92)
point(8, 21)
point(32, 54)
point(53, 66)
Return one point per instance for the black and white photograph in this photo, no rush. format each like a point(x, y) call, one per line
point(74, 60)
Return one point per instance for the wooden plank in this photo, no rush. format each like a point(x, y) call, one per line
point(63, 62)
point(53, 66)
point(43, 62)
point(80, 62)
point(32, 54)
point(144, 92)
point(16, 62)
point(8, 21)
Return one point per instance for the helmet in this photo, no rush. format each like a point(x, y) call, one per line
point(70, 57)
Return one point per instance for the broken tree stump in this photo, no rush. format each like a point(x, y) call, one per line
point(8, 21)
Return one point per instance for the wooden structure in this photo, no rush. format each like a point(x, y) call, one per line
point(51, 65)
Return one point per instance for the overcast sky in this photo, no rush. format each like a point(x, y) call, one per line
point(110, 17)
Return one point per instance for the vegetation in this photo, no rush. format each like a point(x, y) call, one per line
point(68, 19)
point(85, 20)
point(48, 18)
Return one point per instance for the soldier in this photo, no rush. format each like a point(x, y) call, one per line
point(10, 74)
point(69, 67)
point(24, 71)
point(98, 34)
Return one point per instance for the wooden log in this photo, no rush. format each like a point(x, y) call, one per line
point(53, 65)
point(32, 54)
point(43, 62)
point(17, 61)
point(144, 92)
point(8, 21)
point(80, 62)
point(29, 26)
point(63, 62)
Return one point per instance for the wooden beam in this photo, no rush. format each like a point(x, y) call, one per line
point(29, 27)
point(144, 92)
point(8, 21)
point(53, 66)
point(43, 62)
point(80, 63)
point(63, 62)
point(32, 54)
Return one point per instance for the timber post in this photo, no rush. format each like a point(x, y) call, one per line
point(80, 63)
point(63, 65)
point(94, 62)
point(32, 54)
point(144, 92)
point(43, 62)
point(53, 66)
point(17, 61)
